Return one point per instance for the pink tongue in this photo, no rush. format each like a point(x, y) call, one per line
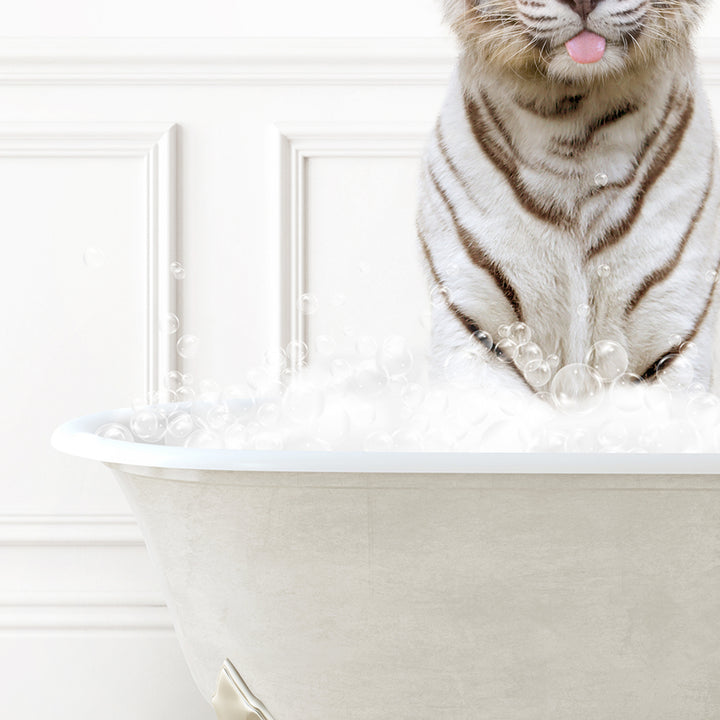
point(587, 47)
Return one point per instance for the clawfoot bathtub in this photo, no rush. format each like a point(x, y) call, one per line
point(413, 586)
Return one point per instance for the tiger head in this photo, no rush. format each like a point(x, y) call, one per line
point(574, 40)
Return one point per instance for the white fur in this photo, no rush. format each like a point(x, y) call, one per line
point(547, 265)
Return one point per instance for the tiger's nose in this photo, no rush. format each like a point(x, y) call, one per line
point(582, 7)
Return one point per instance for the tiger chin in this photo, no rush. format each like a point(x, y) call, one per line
point(570, 194)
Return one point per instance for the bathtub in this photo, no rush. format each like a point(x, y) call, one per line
point(412, 586)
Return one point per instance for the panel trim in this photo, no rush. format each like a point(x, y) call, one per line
point(297, 146)
point(154, 144)
point(34, 611)
point(69, 531)
point(243, 61)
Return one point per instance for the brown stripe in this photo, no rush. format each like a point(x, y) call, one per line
point(470, 325)
point(648, 143)
point(539, 18)
point(479, 257)
point(509, 168)
point(561, 109)
point(661, 273)
point(661, 160)
point(442, 145)
point(651, 373)
point(627, 12)
point(568, 147)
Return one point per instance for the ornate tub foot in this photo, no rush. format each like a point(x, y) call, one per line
point(233, 699)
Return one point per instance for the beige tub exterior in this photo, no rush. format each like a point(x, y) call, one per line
point(585, 589)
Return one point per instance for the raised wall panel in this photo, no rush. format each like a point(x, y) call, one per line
point(347, 207)
point(88, 222)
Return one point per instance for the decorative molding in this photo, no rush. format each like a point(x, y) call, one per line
point(69, 531)
point(155, 145)
point(226, 61)
point(246, 61)
point(117, 610)
point(84, 616)
point(296, 146)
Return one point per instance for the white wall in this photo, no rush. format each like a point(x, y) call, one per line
point(161, 147)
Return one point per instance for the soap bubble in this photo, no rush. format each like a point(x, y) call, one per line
point(114, 431)
point(608, 359)
point(180, 426)
point(268, 414)
point(483, 338)
point(147, 425)
point(537, 373)
point(297, 353)
point(236, 436)
point(439, 296)
point(504, 436)
point(275, 359)
point(553, 361)
point(170, 324)
point(508, 349)
point(687, 348)
point(185, 394)
point(412, 395)
point(460, 368)
point(173, 380)
point(675, 372)
point(527, 353)
point(368, 380)
point(378, 442)
point(188, 346)
point(360, 411)
point(601, 179)
point(94, 258)
point(334, 423)
point(613, 436)
point(603, 270)
point(268, 441)
point(394, 356)
point(503, 331)
point(628, 392)
point(583, 310)
point(711, 276)
point(341, 370)
point(209, 389)
point(303, 401)
point(406, 440)
point(366, 346)
point(581, 440)
point(219, 417)
point(576, 388)
point(325, 345)
point(203, 439)
point(704, 410)
point(309, 304)
point(520, 333)
point(177, 270)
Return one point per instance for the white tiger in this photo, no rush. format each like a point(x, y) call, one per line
point(572, 184)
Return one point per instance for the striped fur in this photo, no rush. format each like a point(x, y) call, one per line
point(512, 221)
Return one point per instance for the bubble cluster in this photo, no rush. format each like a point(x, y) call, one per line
point(382, 401)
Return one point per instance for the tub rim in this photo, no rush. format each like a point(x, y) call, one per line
point(77, 437)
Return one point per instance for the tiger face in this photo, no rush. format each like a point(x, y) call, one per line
point(573, 40)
